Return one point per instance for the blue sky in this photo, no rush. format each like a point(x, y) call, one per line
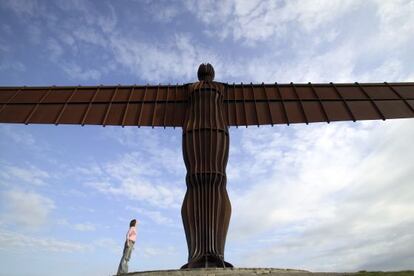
point(321, 197)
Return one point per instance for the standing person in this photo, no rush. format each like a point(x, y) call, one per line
point(131, 237)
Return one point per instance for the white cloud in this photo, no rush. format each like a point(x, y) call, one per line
point(35, 34)
point(84, 227)
point(396, 21)
point(15, 66)
point(152, 251)
point(23, 7)
point(89, 15)
point(77, 72)
point(4, 48)
point(332, 197)
point(6, 28)
point(11, 175)
point(164, 11)
point(160, 61)
point(327, 28)
point(89, 34)
point(150, 60)
point(315, 41)
point(55, 50)
point(252, 21)
point(140, 175)
point(133, 179)
point(15, 241)
point(324, 196)
point(26, 209)
point(163, 153)
point(156, 216)
point(159, 218)
point(141, 190)
point(64, 38)
point(107, 243)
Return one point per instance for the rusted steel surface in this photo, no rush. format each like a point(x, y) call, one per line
point(264, 104)
point(151, 105)
point(205, 110)
point(206, 208)
point(244, 105)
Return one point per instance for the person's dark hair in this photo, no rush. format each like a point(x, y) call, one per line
point(133, 222)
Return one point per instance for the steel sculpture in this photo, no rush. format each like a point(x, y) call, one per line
point(205, 110)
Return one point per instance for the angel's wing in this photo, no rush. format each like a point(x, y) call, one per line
point(255, 104)
point(162, 105)
point(165, 105)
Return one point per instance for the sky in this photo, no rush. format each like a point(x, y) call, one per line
point(320, 197)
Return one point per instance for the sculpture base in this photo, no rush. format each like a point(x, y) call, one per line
point(208, 262)
point(236, 272)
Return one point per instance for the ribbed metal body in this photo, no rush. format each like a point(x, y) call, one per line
point(205, 110)
point(206, 208)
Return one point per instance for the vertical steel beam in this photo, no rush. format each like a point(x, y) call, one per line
point(206, 207)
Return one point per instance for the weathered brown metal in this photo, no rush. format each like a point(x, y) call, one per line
point(56, 122)
point(268, 105)
point(205, 110)
point(300, 103)
point(206, 208)
point(127, 106)
point(320, 102)
point(409, 105)
point(260, 104)
point(282, 103)
point(95, 105)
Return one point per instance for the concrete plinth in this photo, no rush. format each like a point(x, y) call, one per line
point(235, 272)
